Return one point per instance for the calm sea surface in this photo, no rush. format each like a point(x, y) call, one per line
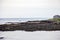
point(37, 35)
point(4, 20)
point(23, 35)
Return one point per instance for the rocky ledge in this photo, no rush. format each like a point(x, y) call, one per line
point(31, 26)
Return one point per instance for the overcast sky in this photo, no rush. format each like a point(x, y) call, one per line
point(29, 8)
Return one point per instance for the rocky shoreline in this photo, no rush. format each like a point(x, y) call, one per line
point(46, 25)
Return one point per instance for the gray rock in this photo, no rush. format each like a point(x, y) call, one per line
point(56, 16)
point(1, 37)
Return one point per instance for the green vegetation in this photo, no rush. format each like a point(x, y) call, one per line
point(55, 19)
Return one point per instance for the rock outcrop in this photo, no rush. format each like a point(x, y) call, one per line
point(56, 16)
point(31, 26)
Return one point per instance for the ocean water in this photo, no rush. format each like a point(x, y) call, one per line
point(37, 35)
point(23, 35)
point(4, 20)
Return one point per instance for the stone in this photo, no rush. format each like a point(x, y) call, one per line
point(56, 16)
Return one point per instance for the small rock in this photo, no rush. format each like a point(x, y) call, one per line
point(1, 37)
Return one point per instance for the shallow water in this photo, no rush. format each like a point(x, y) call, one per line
point(37, 35)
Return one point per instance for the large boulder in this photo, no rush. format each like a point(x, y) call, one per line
point(56, 16)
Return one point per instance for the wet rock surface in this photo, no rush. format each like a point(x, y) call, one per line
point(1, 37)
point(31, 26)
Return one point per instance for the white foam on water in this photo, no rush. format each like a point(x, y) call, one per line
point(37, 35)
